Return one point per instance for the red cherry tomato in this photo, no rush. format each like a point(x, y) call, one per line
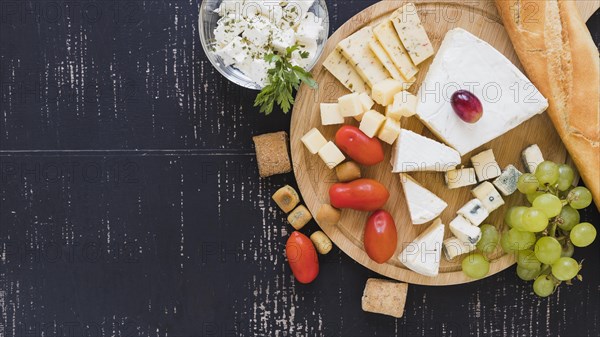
point(302, 257)
point(358, 146)
point(360, 194)
point(380, 236)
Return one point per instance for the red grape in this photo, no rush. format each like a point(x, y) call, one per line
point(467, 106)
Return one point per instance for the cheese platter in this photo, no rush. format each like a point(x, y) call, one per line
point(450, 174)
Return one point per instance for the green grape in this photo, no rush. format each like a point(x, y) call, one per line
point(579, 197)
point(526, 259)
point(489, 239)
point(527, 183)
point(475, 266)
point(547, 173)
point(514, 240)
point(568, 218)
point(567, 250)
point(549, 204)
point(566, 175)
point(543, 286)
point(565, 268)
point(583, 234)
point(527, 274)
point(532, 196)
point(514, 217)
point(547, 250)
point(534, 220)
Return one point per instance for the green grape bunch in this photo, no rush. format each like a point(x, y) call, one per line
point(554, 221)
point(543, 236)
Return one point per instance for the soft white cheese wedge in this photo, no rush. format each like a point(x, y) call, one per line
point(467, 62)
point(423, 205)
point(424, 253)
point(464, 230)
point(413, 152)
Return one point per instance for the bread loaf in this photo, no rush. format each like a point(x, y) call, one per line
point(561, 59)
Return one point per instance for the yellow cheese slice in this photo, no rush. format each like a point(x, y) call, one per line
point(387, 36)
point(341, 69)
point(356, 49)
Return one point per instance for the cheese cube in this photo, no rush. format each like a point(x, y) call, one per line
point(366, 101)
point(404, 105)
point(506, 183)
point(464, 230)
point(474, 212)
point(383, 92)
point(489, 197)
point(331, 155)
point(389, 131)
point(350, 105)
point(454, 247)
point(313, 140)
point(460, 178)
point(330, 114)
point(371, 123)
point(485, 165)
point(532, 157)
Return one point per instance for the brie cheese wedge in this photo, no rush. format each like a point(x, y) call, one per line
point(466, 62)
point(424, 253)
point(464, 230)
point(413, 152)
point(423, 205)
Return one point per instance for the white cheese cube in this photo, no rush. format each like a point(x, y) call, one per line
point(474, 212)
point(309, 29)
point(389, 131)
point(330, 114)
point(233, 52)
point(258, 31)
point(371, 123)
point(313, 140)
point(454, 247)
point(464, 230)
point(283, 39)
point(506, 183)
point(488, 195)
point(532, 157)
point(331, 155)
point(485, 165)
point(350, 105)
point(383, 92)
point(366, 101)
point(404, 105)
point(460, 178)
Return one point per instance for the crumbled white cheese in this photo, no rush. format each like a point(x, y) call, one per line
point(248, 30)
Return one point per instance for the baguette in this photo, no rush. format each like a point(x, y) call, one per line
point(561, 59)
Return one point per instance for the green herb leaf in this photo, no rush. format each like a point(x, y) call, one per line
point(282, 80)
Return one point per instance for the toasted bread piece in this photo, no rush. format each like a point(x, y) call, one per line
point(272, 154)
point(384, 297)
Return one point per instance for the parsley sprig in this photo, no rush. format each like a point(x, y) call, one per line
point(282, 80)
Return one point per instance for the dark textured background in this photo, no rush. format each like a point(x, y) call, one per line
point(130, 203)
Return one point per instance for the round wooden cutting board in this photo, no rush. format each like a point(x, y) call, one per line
point(314, 178)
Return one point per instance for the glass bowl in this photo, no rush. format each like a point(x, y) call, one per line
point(208, 21)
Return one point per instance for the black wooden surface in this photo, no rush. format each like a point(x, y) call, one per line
point(130, 203)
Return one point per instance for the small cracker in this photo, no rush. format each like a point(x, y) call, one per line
point(384, 297)
point(272, 154)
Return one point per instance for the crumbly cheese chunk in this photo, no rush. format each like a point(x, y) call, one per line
point(387, 36)
point(506, 183)
point(464, 230)
point(488, 195)
point(412, 33)
point(342, 70)
point(356, 49)
point(474, 211)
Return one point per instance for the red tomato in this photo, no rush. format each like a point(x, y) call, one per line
point(380, 236)
point(302, 257)
point(358, 146)
point(360, 194)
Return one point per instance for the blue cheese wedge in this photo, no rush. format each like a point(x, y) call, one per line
point(412, 33)
point(356, 49)
point(474, 211)
point(423, 205)
point(467, 62)
point(464, 230)
point(387, 36)
point(488, 195)
point(532, 157)
point(342, 69)
point(423, 254)
point(454, 247)
point(413, 152)
point(506, 183)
